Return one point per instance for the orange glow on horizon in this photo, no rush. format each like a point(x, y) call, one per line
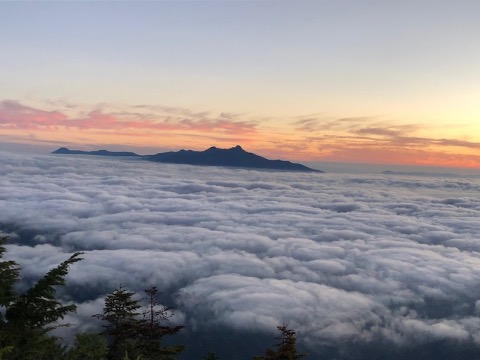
point(349, 140)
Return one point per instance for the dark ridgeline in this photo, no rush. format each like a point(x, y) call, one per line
point(65, 151)
point(233, 157)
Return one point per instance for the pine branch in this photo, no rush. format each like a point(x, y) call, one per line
point(38, 306)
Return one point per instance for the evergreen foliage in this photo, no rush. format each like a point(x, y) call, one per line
point(39, 307)
point(286, 349)
point(29, 317)
point(120, 315)
point(132, 336)
point(211, 356)
point(129, 333)
point(9, 274)
point(88, 347)
point(153, 329)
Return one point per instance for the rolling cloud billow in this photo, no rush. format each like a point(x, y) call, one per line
point(361, 266)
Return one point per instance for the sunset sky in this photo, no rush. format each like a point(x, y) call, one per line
point(370, 81)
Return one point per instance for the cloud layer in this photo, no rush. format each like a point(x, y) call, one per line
point(342, 258)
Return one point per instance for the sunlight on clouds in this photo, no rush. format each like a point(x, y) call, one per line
point(314, 137)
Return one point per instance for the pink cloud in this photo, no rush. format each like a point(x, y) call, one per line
point(14, 115)
point(17, 116)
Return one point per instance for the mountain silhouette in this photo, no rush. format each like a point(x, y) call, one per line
point(233, 157)
point(65, 151)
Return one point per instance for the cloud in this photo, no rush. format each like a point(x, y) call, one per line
point(14, 115)
point(458, 143)
point(320, 122)
point(313, 137)
point(372, 140)
point(387, 130)
point(383, 262)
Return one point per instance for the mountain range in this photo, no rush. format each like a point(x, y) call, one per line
point(233, 157)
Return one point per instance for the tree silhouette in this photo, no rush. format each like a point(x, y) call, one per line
point(39, 307)
point(129, 334)
point(9, 274)
point(211, 356)
point(88, 347)
point(30, 316)
point(120, 315)
point(154, 329)
point(286, 349)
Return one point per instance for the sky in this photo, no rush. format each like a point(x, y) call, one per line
point(362, 266)
point(336, 81)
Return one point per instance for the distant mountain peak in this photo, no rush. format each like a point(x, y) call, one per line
point(66, 151)
point(213, 156)
point(62, 150)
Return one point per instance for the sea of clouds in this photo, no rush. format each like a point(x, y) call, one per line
point(357, 264)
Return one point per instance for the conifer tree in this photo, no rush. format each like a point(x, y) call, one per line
point(154, 328)
point(211, 356)
point(88, 347)
point(38, 307)
point(286, 349)
point(9, 274)
point(120, 315)
point(29, 317)
point(129, 334)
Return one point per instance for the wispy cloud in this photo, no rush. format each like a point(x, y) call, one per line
point(17, 116)
point(368, 139)
point(14, 115)
point(387, 130)
point(458, 143)
point(319, 122)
